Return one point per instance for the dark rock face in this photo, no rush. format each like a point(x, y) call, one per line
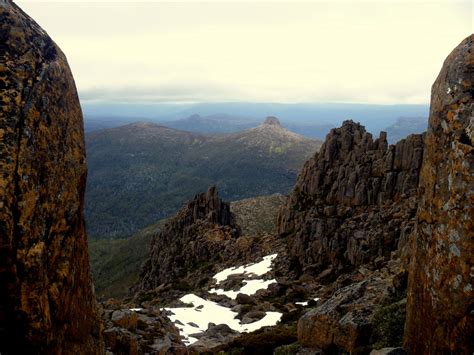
point(194, 238)
point(47, 303)
point(440, 315)
point(354, 201)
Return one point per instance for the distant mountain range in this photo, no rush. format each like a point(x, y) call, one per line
point(309, 119)
point(405, 126)
point(216, 123)
point(143, 172)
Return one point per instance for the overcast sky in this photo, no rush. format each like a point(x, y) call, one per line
point(259, 51)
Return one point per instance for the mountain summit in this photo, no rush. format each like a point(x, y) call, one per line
point(272, 121)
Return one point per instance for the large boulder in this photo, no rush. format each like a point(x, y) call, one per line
point(440, 316)
point(47, 303)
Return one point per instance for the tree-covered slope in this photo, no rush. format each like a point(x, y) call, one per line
point(143, 172)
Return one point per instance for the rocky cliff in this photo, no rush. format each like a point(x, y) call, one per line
point(354, 201)
point(440, 315)
point(192, 240)
point(346, 222)
point(46, 296)
point(364, 216)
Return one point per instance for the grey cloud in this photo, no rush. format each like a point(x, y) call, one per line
point(163, 93)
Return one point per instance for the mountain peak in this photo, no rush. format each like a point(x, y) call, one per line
point(272, 121)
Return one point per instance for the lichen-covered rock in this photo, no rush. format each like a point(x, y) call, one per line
point(354, 201)
point(440, 316)
point(47, 303)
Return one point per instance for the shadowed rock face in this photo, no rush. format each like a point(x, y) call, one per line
point(440, 315)
point(354, 201)
point(46, 297)
point(196, 236)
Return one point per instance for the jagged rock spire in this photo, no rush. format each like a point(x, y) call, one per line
point(272, 121)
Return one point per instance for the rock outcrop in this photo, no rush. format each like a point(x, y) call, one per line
point(346, 223)
point(47, 303)
point(190, 242)
point(348, 315)
point(354, 201)
point(272, 121)
point(440, 316)
point(139, 331)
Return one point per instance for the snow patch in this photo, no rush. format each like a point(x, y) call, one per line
point(257, 269)
point(250, 288)
point(195, 319)
point(305, 303)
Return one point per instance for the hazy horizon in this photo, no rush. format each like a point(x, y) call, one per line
point(380, 52)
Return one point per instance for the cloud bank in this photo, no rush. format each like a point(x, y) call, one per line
point(368, 52)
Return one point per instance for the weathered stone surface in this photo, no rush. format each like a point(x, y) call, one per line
point(213, 339)
point(354, 201)
point(125, 319)
point(440, 316)
point(144, 331)
point(344, 320)
point(46, 295)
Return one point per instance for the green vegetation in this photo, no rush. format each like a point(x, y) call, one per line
point(264, 340)
point(257, 215)
point(291, 349)
point(141, 173)
point(389, 322)
point(116, 263)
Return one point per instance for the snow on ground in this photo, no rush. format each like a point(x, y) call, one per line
point(257, 269)
point(304, 304)
point(251, 287)
point(195, 319)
